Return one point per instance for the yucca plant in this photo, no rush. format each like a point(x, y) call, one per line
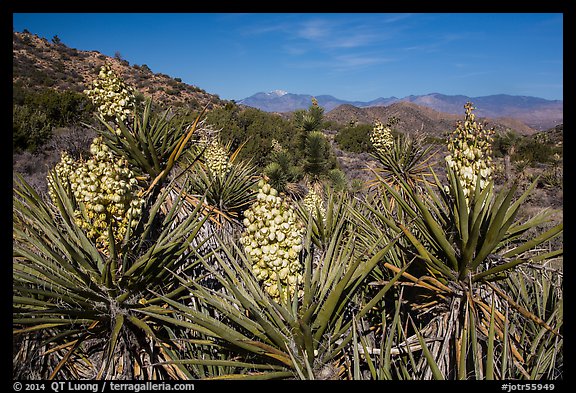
point(402, 158)
point(300, 336)
point(65, 284)
point(85, 261)
point(462, 242)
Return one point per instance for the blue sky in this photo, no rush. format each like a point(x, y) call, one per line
point(350, 56)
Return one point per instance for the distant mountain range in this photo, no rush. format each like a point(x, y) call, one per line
point(537, 113)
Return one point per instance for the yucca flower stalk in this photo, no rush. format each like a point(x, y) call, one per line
point(470, 147)
point(314, 203)
point(106, 193)
point(151, 142)
point(381, 137)
point(112, 97)
point(216, 158)
point(273, 241)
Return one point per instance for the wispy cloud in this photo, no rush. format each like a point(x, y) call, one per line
point(342, 63)
point(342, 33)
point(337, 43)
point(437, 43)
point(325, 33)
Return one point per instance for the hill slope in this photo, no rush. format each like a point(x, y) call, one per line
point(414, 118)
point(39, 63)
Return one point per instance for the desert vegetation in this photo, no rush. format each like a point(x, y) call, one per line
point(231, 244)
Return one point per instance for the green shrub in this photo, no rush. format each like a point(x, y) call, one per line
point(534, 151)
point(355, 139)
point(30, 128)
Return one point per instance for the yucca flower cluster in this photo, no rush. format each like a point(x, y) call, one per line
point(111, 95)
point(64, 168)
point(273, 241)
point(470, 147)
point(107, 189)
point(381, 137)
point(313, 201)
point(216, 158)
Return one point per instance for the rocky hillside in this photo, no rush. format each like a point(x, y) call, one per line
point(39, 63)
point(415, 118)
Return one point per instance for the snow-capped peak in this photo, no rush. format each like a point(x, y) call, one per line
point(278, 93)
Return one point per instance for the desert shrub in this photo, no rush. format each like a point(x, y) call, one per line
point(355, 139)
point(253, 128)
point(534, 151)
point(31, 128)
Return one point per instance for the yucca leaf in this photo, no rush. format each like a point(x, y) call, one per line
point(331, 303)
point(496, 228)
point(464, 341)
point(224, 363)
point(548, 235)
point(494, 271)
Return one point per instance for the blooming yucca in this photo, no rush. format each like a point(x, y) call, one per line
point(313, 201)
point(64, 169)
point(111, 95)
point(470, 147)
point(273, 240)
point(216, 158)
point(381, 137)
point(107, 190)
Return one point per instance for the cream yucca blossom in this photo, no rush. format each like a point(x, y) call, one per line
point(64, 169)
point(470, 147)
point(381, 137)
point(111, 95)
point(313, 201)
point(272, 240)
point(215, 155)
point(106, 188)
point(216, 158)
